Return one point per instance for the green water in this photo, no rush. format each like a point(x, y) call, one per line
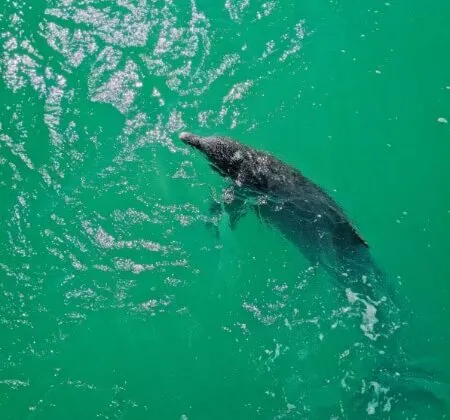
point(117, 301)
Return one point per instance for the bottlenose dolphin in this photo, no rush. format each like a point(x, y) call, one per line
point(306, 215)
point(283, 197)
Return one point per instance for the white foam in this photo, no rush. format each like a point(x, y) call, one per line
point(236, 8)
point(238, 91)
point(266, 9)
point(295, 41)
point(369, 319)
point(120, 89)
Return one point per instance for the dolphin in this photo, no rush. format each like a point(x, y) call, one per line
point(306, 215)
point(283, 197)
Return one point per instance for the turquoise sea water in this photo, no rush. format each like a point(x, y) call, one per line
point(117, 301)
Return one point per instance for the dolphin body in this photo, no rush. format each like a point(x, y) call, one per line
point(283, 197)
point(306, 215)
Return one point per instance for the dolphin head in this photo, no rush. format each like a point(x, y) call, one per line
point(226, 156)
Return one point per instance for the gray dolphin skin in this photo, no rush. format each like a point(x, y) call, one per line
point(284, 198)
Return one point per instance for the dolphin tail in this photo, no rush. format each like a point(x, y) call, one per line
point(421, 389)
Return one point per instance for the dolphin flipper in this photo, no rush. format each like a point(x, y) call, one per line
point(235, 209)
point(234, 206)
point(215, 213)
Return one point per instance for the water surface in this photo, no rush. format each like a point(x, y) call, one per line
point(116, 300)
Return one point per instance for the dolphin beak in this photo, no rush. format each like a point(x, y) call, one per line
point(190, 139)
